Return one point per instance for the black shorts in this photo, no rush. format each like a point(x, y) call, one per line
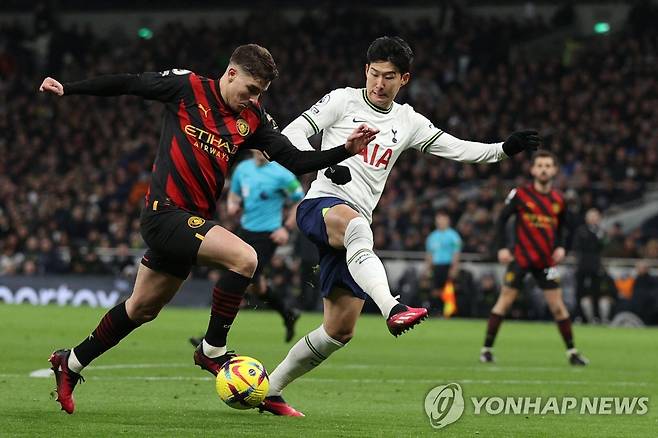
point(547, 278)
point(173, 236)
point(263, 245)
point(439, 275)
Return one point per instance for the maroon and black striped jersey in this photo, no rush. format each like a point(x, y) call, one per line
point(199, 140)
point(201, 136)
point(539, 227)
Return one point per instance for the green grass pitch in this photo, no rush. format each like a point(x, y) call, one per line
point(376, 386)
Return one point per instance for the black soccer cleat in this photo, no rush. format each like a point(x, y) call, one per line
point(65, 378)
point(211, 364)
point(289, 321)
point(486, 356)
point(578, 360)
point(404, 320)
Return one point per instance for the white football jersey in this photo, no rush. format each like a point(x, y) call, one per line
point(400, 127)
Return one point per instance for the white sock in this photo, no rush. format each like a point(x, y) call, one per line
point(588, 308)
point(73, 363)
point(306, 354)
point(366, 268)
point(211, 350)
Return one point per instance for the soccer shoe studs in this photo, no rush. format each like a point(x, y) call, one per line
point(403, 321)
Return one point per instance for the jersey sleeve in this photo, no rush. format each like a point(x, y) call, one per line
point(324, 113)
point(501, 224)
point(166, 86)
point(432, 140)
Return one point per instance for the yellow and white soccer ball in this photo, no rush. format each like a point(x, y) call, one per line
point(242, 382)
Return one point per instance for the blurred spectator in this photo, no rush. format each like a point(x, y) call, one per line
point(644, 302)
point(487, 294)
point(588, 245)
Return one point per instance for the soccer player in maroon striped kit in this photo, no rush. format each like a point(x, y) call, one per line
point(540, 233)
point(206, 122)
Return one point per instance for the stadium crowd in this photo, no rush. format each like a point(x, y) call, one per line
point(73, 171)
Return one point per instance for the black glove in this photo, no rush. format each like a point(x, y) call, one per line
point(522, 141)
point(338, 174)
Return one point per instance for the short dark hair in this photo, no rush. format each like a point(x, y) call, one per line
point(255, 60)
point(392, 49)
point(543, 153)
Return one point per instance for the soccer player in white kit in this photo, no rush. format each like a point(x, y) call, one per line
point(337, 210)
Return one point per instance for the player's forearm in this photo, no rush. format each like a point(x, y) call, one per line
point(300, 162)
point(110, 85)
point(453, 148)
point(298, 132)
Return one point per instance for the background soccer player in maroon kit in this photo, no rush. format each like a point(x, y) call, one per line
point(540, 231)
point(206, 122)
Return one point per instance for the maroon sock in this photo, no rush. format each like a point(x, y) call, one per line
point(492, 328)
point(114, 326)
point(226, 298)
point(565, 330)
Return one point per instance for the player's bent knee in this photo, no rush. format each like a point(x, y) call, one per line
point(358, 232)
point(246, 262)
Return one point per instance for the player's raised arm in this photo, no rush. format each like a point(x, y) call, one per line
point(432, 140)
point(277, 147)
point(163, 86)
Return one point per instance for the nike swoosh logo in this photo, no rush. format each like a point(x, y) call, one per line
point(355, 120)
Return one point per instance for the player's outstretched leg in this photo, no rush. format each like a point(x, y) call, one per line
point(368, 272)
point(306, 354)
point(341, 311)
point(152, 291)
point(227, 295)
point(67, 364)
